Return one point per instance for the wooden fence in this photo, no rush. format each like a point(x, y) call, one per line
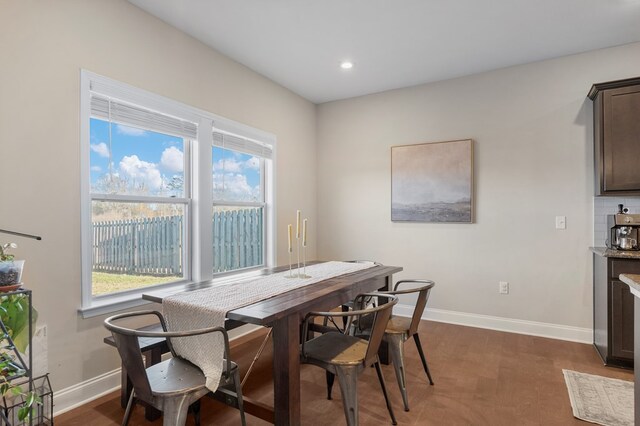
point(237, 239)
point(153, 246)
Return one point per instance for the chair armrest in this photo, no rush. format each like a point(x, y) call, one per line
point(167, 334)
point(428, 283)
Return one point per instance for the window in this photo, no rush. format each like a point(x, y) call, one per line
point(239, 196)
point(150, 167)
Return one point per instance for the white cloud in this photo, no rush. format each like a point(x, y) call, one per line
point(233, 165)
point(131, 131)
point(172, 159)
point(253, 163)
point(101, 149)
point(96, 168)
point(235, 187)
point(141, 172)
point(228, 165)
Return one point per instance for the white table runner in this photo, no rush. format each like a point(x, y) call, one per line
point(208, 308)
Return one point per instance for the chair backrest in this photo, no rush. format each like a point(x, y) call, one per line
point(377, 315)
point(423, 288)
point(380, 314)
point(126, 340)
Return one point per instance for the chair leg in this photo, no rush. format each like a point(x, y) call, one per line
point(195, 408)
point(152, 357)
point(424, 361)
point(330, 378)
point(238, 384)
point(126, 387)
point(127, 413)
point(345, 308)
point(175, 411)
point(384, 392)
point(396, 352)
point(348, 381)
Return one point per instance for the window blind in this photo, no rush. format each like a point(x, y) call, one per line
point(131, 115)
point(246, 146)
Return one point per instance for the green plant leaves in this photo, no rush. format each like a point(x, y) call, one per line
point(14, 313)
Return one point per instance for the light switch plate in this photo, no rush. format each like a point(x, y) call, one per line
point(561, 222)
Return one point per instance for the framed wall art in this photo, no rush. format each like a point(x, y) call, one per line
point(432, 182)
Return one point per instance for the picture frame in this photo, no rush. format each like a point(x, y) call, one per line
point(433, 182)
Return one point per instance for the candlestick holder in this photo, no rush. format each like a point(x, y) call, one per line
point(290, 272)
point(304, 263)
point(299, 273)
point(298, 254)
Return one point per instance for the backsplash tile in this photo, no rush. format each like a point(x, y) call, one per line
point(602, 206)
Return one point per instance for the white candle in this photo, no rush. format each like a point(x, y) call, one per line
point(298, 224)
point(290, 232)
point(304, 233)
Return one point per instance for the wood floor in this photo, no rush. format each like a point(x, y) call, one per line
point(482, 377)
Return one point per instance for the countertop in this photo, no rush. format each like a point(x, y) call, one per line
point(623, 254)
point(633, 281)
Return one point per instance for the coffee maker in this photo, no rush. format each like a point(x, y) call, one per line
point(623, 230)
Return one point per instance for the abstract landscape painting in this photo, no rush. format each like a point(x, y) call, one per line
point(432, 182)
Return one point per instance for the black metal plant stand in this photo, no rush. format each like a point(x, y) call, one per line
point(8, 411)
point(19, 369)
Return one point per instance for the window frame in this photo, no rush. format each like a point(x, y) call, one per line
point(198, 204)
point(264, 163)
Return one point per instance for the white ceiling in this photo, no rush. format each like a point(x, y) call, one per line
point(394, 43)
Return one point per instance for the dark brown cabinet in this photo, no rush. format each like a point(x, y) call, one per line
point(613, 310)
point(616, 132)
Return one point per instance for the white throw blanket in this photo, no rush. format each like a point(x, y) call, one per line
point(208, 308)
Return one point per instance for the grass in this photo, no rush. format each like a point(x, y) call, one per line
point(105, 283)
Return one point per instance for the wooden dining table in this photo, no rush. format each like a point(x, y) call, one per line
point(284, 313)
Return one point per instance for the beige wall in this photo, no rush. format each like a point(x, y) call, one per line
point(531, 124)
point(533, 161)
point(44, 45)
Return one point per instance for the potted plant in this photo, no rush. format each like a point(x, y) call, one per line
point(14, 339)
point(10, 269)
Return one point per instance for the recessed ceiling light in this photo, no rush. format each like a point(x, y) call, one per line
point(346, 65)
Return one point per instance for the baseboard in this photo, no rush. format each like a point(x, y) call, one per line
point(82, 393)
point(532, 328)
point(89, 390)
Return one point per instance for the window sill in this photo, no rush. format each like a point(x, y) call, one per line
point(112, 304)
point(119, 302)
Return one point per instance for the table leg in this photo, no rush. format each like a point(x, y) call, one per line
point(286, 370)
point(383, 351)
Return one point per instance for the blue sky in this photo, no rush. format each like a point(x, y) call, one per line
point(147, 162)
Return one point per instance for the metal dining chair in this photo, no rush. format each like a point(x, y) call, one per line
point(347, 356)
point(174, 385)
point(400, 329)
point(347, 306)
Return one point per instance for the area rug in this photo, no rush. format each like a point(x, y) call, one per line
point(599, 399)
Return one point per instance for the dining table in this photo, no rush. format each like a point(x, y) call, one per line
point(284, 313)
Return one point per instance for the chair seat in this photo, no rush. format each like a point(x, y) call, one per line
point(398, 325)
point(175, 376)
point(336, 349)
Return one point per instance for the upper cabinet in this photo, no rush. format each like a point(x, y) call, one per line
point(616, 132)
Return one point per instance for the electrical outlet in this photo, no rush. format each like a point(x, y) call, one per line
point(503, 287)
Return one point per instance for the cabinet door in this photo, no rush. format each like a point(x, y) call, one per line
point(621, 139)
point(621, 320)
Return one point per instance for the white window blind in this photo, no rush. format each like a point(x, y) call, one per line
point(131, 115)
point(246, 146)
